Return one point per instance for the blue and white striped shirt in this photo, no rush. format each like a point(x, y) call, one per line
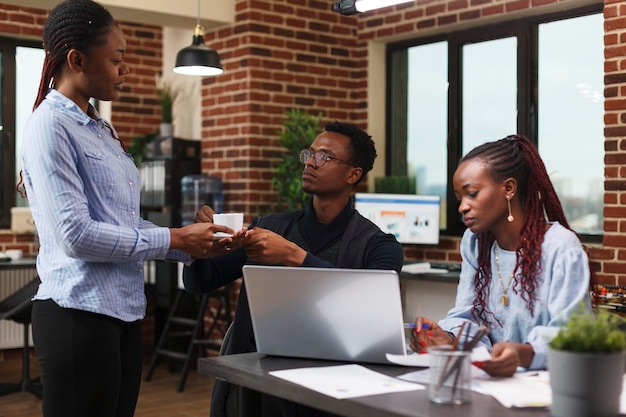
point(83, 190)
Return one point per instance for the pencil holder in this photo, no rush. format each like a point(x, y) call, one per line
point(450, 375)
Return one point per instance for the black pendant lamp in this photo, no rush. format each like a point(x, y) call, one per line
point(198, 59)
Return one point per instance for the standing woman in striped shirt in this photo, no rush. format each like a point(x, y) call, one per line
point(83, 190)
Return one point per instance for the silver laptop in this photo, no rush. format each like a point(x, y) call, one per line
point(350, 315)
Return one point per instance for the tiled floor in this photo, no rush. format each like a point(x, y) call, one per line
point(157, 398)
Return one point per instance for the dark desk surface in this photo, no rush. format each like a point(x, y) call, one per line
point(21, 263)
point(250, 370)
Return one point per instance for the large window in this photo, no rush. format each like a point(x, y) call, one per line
point(20, 73)
point(571, 108)
point(541, 77)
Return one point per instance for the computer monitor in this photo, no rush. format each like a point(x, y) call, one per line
point(410, 218)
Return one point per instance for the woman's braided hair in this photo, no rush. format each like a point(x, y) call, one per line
point(73, 24)
point(516, 157)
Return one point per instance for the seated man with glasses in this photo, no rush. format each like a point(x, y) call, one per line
point(328, 233)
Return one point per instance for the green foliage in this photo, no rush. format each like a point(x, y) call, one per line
point(586, 332)
point(167, 95)
point(139, 146)
point(299, 132)
point(395, 185)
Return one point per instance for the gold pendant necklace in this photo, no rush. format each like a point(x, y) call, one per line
point(505, 290)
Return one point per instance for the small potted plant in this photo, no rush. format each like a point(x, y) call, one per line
point(586, 362)
point(167, 96)
point(395, 185)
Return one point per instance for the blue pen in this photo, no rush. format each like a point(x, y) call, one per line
point(413, 326)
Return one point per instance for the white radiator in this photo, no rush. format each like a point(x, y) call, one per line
point(430, 299)
point(12, 333)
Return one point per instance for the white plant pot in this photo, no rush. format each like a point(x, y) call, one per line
point(585, 384)
point(167, 130)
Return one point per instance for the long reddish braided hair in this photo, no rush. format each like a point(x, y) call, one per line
point(516, 157)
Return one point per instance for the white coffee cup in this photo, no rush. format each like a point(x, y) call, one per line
point(232, 220)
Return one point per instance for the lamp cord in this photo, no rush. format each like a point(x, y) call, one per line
point(198, 22)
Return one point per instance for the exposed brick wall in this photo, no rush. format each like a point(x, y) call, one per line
point(612, 254)
point(27, 242)
point(137, 111)
point(278, 55)
point(281, 54)
point(18, 21)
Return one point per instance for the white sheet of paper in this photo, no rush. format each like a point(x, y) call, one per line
point(479, 354)
point(522, 390)
point(525, 389)
point(345, 381)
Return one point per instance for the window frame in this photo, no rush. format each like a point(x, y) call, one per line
point(8, 47)
point(526, 31)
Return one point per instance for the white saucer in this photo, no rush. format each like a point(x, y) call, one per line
point(220, 235)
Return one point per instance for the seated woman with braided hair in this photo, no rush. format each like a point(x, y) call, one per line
point(524, 270)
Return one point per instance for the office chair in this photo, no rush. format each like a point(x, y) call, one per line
point(17, 307)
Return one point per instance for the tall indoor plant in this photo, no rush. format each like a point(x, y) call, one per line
point(586, 362)
point(299, 131)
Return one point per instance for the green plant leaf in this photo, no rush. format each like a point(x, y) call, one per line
point(591, 332)
point(299, 131)
point(139, 146)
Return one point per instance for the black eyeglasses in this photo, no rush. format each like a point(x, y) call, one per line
point(320, 157)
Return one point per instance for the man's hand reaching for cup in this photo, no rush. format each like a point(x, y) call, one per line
point(204, 215)
point(270, 248)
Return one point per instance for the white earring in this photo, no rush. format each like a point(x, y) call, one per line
point(510, 218)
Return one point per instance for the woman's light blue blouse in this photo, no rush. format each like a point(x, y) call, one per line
point(83, 190)
point(562, 284)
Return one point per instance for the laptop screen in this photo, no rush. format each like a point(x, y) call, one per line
point(350, 315)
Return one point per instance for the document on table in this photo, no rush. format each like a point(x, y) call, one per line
point(523, 390)
point(345, 381)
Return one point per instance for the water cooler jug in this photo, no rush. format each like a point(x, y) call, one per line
point(199, 190)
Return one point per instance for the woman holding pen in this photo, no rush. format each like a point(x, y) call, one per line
point(524, 270)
